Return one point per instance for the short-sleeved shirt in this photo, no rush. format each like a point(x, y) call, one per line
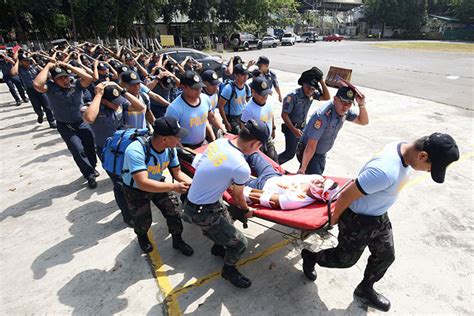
point(236, 101)
point(163, 92)
point(28, 75)
point(297, 105)
point(108, 121)
point(66, 104)
point(324, 126)
point(272, 79)
point(135, 119)
point(191, 117)
point(135, 161)
point(221, 165)
point(6, 68)
point(259, 112)
point(214, 99)
point(381, 180)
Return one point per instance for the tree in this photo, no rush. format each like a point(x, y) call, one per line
point(462, 9)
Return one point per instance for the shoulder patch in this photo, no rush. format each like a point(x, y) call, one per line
point(317, 124)
point(288, 99)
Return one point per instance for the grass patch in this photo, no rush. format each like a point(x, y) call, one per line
point(430, 46)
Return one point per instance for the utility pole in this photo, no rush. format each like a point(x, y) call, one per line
point(71, 6)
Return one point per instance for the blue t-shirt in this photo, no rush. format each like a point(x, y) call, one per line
point(66, 104)
point(259, 112)
point(28, 75)
point(213, 98)
point(191, 117)
point(135, 119)
point(221, 165)
point(381, 180)
point(134, 161)
point(237, 102)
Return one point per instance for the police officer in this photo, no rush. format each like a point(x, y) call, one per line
point(263, 64)
point(144, 182)
point(224, 163)
point(27, 69)
point(228, 69)
point(161, 84)
point(192, 111)
point(296, 106)
point(65, 96)
point(260, 109)
point(322, 129)
point(211, 90)
point(361, 210)
point(6, 64)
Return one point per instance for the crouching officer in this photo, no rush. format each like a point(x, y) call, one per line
point(361, 210)
point(65, 97)
point(224, 163)
point(144, 182)
point(322, 129)
point(296, 106)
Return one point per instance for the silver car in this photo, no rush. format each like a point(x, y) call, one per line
point(270, 41)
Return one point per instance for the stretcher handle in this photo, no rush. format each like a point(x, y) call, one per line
point(332, 199)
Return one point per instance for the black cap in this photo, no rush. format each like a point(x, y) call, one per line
point(241, 69)
point(192, 79)
point(130, 77)
point(263, 60)
point(111, 93)
point(311, 76)
point(258, 129)
point(102, 66)
point(22, 57)
point(261, 85)
point(210, 76)
point(121, 68)
point(169, 126)
point(128, 57)
point(346, 94)
point(57, 72)
point(167, 81)
point(442, 150)
point(237, 60)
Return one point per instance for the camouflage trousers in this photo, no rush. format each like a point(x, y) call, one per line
point(356, 232)
point(140, 209)
point(216, 224)
point(269, 149)
point(235, 122)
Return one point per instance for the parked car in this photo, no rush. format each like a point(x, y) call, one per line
point(207, 61)
point(309, 37)
point(298, 38)
point(288, 39)
point(333, 37)
point(270, 41)
point(244, 41)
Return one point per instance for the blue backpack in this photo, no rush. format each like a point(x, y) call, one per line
point(113, 152)
point(233, 94)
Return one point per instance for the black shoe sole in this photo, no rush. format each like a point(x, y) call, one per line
point(367, 302)
point(244, 286)
point(310, 275)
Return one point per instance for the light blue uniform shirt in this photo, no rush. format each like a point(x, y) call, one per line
point(214, 99)
point(237, 102)
point(381, 180)
point(221, 165)
point(135, 119)
point(134, 161)
point(258, 112)
point(191, 117)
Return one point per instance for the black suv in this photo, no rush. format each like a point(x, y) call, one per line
point(244, 41)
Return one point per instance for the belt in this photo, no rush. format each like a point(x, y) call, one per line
point(199, 207)
point(367, 219)
point(299, 125)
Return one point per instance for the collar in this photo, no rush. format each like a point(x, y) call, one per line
point(230, 143)
point(193, 106)
point(155, 150)
point(399, 151)
point(300, 92)
point(255, 101)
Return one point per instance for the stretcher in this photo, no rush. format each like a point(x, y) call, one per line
point(314, 218)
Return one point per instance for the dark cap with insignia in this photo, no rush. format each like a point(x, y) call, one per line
point(169, 126)
point(23, 57)
point(442, 151)
point(112, 94)
point(102, 66)
point(57, 72)
point(130, 77)
point(346, 94)
point(167, 81)
point(192, 80)
point(240, 69)
point(237, 60)
point(261, 86)
point(128, 57)
point(211, 77)
point(311, 76)
point(121, 68)
point(258, 129)
point(263, 60)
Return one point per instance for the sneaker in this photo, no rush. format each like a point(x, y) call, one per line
point(233, 275)
point(308, 264)
point(40, 119)
point(91, 183)
point(368, 296)
point(18, 103)
point(218, 250)
point(96, 173)
point(53, 124)
point(145, 243)
point(178, 243)
point(26, 100)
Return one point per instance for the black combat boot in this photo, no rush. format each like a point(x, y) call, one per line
point(309, 261)
point(178, 243)
point(235, 277)
point(368, 296)
point(145, 243)
point(218, 250)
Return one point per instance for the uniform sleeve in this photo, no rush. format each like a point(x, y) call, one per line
point(125, 105)
point(246, 115)
point(172, 111)
point(248, 91)
point(77, 83)
point(317, 126)
point(174, 161)
point(241, 174)
point(289, 103)
point(135, 158)
point(275, 80)
point(352, 114)
point(144, 89)
point(372, 180)
point(227, 92)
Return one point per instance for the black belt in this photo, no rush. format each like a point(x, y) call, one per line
point(201, 205)
point(367, 219)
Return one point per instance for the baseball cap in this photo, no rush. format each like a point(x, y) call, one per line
point(241, 69)
point(192, 79)
point(346, 94)
point(112, 94)
point(167, 81)
point(128, 57)
point(442, 151)
point(169, 126)
point(261, 86)
point(263, 60)
point(121, 68)
point(57, 72)
point(130, 77)
point(211, 77)
point(258, 129)
point(22, 57)
point(311, 76)
point(102, 66)
point(237, 60)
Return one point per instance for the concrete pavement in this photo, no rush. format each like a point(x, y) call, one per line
point(65, 249)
